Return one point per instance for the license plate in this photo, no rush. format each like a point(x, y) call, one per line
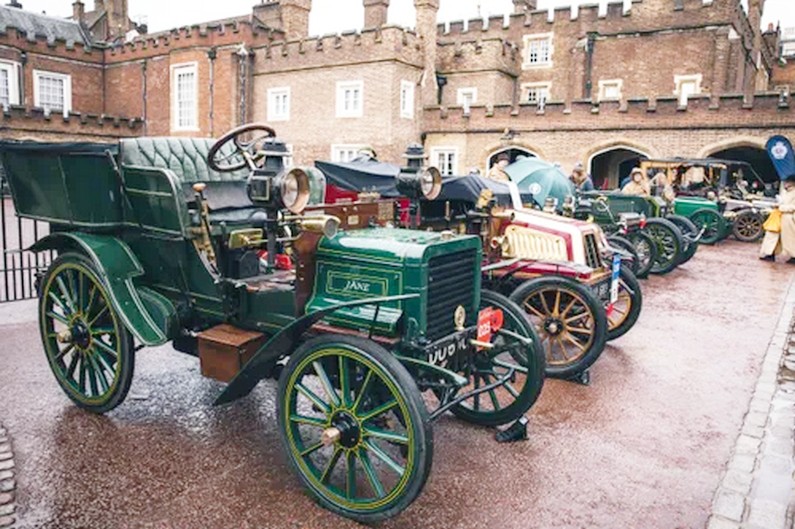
point(602, 290)
point(443, 350)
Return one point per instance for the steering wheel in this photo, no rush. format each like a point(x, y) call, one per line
point(244, 149)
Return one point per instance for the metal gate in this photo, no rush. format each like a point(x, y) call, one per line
point(19, 267)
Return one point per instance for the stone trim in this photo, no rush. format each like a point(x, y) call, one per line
point(7, 481)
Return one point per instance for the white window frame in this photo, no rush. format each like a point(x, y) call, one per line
point(604, 84)
point(679, 80)
point(466, 97)
point(345, 152)
point(274, 113)
point(407, 99)
point(67, 88)
point(175, 69)
point(342, 112)
point(526, 64)
point(453, 165)
point(526, 87)
point(788, 48)
point(12, 68)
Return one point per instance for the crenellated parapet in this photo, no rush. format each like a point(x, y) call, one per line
point(389, 43)
point(30, 42)
point(218, 34)
point(19, 121)
point(724, 112)
point(614, 18)
point(491, 54)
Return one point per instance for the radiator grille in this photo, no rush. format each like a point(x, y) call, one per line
point(533, 244)
point(592, 258)
point(450, 284)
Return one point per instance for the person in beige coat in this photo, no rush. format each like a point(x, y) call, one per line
point(497, 171)
point(638, 184)
point(783, 241)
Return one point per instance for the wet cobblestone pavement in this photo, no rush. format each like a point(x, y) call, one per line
point(645, 446)
point(758, 489)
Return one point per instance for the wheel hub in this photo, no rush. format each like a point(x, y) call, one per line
point(345, 430)
point(553, 326)
point(81, 336)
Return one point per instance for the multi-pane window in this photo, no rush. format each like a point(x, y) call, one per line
point(278, 104)
point(407, 99)
point(466, 97)
point(610, 90)
point(536, 93)
point(788, 49)
point(9, 84)
point(350, 99)
point(52, 91)
point(445, 159)
point(537, 50)
point(686, 86)
point(184, 97)
point(345, 153)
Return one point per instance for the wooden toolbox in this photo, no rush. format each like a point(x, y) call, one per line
point(224, 349)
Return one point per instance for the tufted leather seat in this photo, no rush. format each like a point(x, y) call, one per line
point(187, 158)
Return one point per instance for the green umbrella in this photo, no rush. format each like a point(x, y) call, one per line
point(541, 179)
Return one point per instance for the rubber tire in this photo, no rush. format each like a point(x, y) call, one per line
point(411, 394)
point(535, 365)
point(636, 237)
point(689, 232)
point(748, 213)
point(594, 306)
point(721, 231)
point(624, 244)
point(633, 285)
point(125, 337)
point(670, 228)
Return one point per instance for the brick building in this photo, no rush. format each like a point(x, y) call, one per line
point(640, 78)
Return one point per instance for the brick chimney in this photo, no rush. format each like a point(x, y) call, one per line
point(375, 13)
point(78, 11)
point(14, 3)
point(523, 6)
point(289, 16)
point(427, 11)
point(118, 18)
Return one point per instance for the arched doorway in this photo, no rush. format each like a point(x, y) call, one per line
point(513, 153)
point(609, 167)
point(753, 155)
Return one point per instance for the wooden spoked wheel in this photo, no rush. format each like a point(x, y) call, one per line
point(88, 348)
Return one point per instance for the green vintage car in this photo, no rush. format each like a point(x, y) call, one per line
point(733, 198)
point(675, 237)
point(705, 215)
point(205, 245)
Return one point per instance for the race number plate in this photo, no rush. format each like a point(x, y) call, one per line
point(484, 325)
point(616, 275)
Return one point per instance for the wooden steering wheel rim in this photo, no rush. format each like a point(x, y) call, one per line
point(232, 135)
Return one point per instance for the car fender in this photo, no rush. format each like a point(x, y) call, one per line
point(117, 267)
point(261, 364)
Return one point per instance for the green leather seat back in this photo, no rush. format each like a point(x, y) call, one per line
point(186, 157)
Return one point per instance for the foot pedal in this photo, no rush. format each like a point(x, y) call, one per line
point(515, 432)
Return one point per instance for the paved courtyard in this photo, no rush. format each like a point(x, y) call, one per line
point(647, 445)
